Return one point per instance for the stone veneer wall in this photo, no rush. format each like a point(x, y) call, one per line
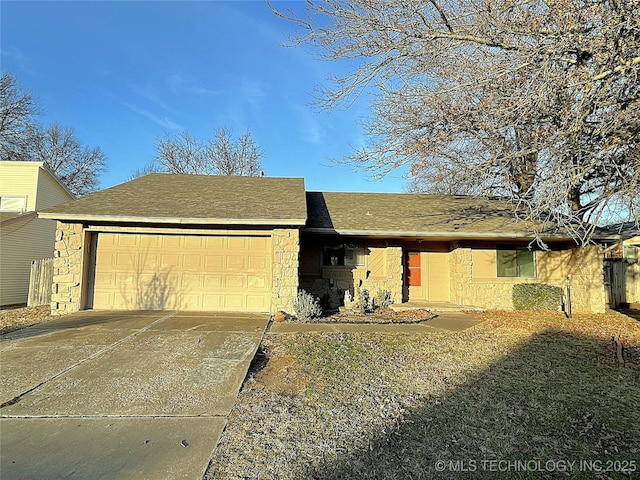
point(385, 274)
point(460, 275)
point(584, 266)
point(392, 278)
point(587, 280)
point(285, 267)
point(67, 269)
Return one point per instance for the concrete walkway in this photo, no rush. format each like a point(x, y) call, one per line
point(444, 322)
point(108, 395)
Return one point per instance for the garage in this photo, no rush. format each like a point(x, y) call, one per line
point(180, 242)
point(182, 272)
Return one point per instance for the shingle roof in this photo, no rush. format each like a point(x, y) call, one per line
point(198, 199)
point(222, 200)
point(403, 214)
point(626, 230)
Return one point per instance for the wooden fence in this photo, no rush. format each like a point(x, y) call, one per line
point(622, 280)
point(40, 282)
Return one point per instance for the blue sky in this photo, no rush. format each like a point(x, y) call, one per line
point(124, 73)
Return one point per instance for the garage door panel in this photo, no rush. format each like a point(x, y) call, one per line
point(234, 281)
point(191, 302)
point(149, 241)
point(102, 298)
point(240, 243)
point(259, 243)
point(212, 302)
point(127, 240)
point(236, 262)
point(171, 241)
point(127, 260)
point(151, 260)
point(188, 272)
point(105, 278)
point(234, 302)
point(125, 279)
point(213, 262)
point(191, 281)
point(256, 281)
point(192, 261)
point(169, 260)
point(257, 302)
point(215, 243)
point(194, 242)
point(257, 263)
point(213, 281)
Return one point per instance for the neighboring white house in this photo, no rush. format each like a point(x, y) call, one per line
point(25, 188)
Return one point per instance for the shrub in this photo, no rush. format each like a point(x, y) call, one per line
point(362, 300)
point(536, 296)
point(382, 299)
point(306, 306)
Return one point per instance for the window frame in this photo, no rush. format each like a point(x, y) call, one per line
point(516, 251)
point(23, 198)
point(345, 254)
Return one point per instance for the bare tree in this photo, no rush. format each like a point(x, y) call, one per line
point(23, 139)
point(77, 166)
point(182, 154)
point(533, 100)
point(146, 169)
point(17, 112)
point(221, 155)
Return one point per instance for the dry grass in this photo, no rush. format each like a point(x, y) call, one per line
point(17, 318)
point(389, 406)
point(601, 327)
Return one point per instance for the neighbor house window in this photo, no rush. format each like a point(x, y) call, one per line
point(516, 262)
point(13, 204)
point(343, 255)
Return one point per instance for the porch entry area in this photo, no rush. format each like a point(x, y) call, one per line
point(426, 276)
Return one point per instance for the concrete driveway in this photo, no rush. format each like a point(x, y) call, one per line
point(115, 395)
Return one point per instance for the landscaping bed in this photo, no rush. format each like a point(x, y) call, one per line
point(381, 315)
point(17, 318)
point(519, 386)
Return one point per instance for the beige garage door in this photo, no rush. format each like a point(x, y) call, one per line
point(182, 272)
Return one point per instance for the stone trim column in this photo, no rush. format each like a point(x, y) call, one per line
point(395, 274)
point(285, 268)
point(67, 269)
point(460, 264)
point(587, 280)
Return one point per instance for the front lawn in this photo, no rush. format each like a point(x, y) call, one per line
point(518, 396)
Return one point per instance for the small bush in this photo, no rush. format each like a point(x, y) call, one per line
point(536, 296)
point(307, 307)
point(382, 299)
point(362, 300)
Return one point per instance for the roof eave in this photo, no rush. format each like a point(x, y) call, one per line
point(440, 234)
point(172, 220)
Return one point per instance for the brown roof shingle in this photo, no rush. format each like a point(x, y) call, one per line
point(405, 214)
point(174, 198)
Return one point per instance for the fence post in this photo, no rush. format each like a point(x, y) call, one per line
point(568, 297)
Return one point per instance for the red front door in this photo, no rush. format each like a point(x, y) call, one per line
point(414, 271)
